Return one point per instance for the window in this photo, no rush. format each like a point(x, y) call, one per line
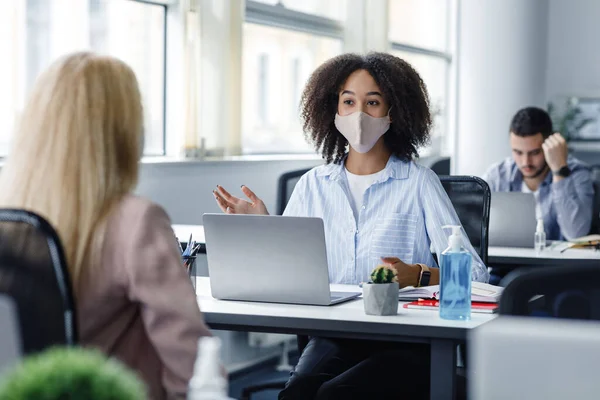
point(419, 32)
point(281, 48)
point(34, 33)
point(263, 88)
point(333, 9)
point(434, 72)
point(420, 23)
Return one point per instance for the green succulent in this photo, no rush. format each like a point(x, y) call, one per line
point(384, 274)
point(70, 374)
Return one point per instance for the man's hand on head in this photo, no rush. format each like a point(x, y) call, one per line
point(556, 151)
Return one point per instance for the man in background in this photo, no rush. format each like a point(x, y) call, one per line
point(541, 164)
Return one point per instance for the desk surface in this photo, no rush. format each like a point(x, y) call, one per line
point(183, 233)
point(526, 256)
point(342, 320)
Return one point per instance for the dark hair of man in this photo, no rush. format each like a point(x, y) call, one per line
point(530, 121)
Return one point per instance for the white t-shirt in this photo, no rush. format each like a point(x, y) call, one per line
point(536, 195)
point(358, 185)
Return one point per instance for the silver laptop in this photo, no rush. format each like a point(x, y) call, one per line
point(269, 258)
point(512, 219)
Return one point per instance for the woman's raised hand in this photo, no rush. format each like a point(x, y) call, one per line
point(234, 205)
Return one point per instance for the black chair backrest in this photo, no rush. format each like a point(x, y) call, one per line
point(33, 271)
point(285, 187)
point(471, 198)
point(441, 166)
point(595, 228)
point(568, 292)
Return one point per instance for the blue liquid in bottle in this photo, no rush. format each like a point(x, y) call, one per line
point(455, 280)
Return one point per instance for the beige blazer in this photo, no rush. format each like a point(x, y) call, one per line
point(138, 304)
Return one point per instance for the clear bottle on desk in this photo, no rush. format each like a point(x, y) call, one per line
point(540, 237)
point(455, 278)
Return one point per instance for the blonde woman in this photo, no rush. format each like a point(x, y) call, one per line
point(75, 162)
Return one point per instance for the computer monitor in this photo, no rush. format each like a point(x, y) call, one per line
point(535, 359)
point(512, 219)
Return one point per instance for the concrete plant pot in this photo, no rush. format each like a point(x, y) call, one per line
point(381, 298)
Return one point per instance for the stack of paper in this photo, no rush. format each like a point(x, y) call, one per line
point(480, 292)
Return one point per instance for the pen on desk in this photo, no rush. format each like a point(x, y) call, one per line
point(188, 249)
point(196, 249)
point(179, 245)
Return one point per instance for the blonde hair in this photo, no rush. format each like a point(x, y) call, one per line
point(75, 153)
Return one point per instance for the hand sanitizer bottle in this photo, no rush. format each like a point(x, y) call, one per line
point(208, 383)
point(540, 237)
point(455, 278)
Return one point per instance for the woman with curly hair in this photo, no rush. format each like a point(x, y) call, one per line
point(367, 116)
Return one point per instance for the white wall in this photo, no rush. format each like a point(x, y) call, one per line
point(573, 49)
point(501, 68)
point(184, 189)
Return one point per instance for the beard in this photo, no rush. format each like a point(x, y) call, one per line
point(536, 173)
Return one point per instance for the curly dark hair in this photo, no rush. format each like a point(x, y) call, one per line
point(401, 86)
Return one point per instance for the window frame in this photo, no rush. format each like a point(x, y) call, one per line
point(451, 68)
point(166, 5)
point(280, 17)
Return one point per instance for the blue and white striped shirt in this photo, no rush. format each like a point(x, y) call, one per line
point(401, 215)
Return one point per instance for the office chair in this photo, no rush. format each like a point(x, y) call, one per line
point(285, 187)
point(595, 228)
point(566, 292)
point(33, 272)
point(441, 166)
point(471, 197)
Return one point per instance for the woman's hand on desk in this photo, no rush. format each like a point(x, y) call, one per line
point(234, 205)
point(408, 274)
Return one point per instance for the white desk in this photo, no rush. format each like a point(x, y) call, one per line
point(348, 320)
point(511, 256)
point(183, 232)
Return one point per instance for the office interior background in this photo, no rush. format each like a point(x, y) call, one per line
point(222, 80)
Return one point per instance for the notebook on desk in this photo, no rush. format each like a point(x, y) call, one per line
point(480, 292)
point(434, 305)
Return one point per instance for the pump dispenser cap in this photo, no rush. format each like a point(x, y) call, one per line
point(540, 226)
point(455, 240)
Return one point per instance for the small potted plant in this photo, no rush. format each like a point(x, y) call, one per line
point(70, 373)
point(380, 296)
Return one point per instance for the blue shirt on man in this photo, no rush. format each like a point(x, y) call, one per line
point(566, 206)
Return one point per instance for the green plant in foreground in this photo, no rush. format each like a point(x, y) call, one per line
point(384, 274)
point(70, 374)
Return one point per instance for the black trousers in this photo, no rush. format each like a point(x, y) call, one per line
point(354, 369)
